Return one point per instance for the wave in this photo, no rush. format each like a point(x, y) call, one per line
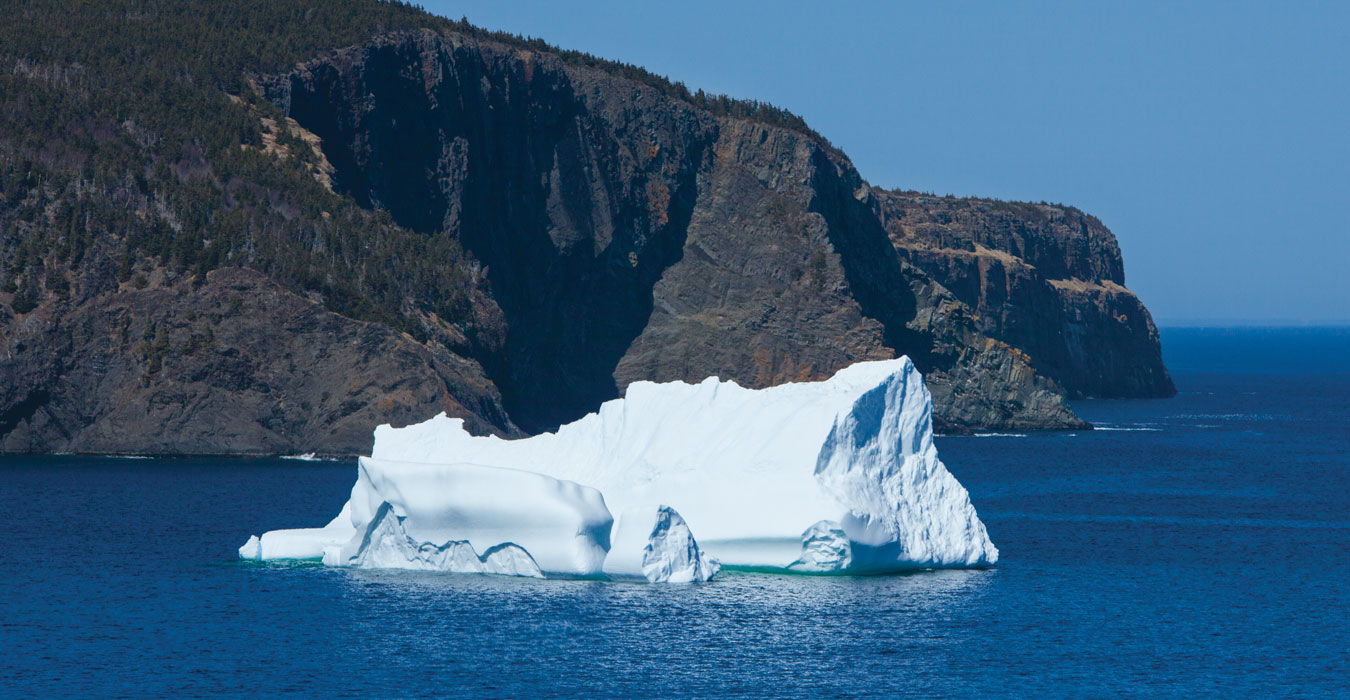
point(1014, 435)
point(311, 457)
point(1182, 520)
point(1232, 416)
point(1126, 429)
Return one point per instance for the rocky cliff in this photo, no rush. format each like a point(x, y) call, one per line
point(629, 235)
point(610, 231)
point(1046, 279)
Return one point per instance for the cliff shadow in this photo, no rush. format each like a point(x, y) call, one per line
point(575, 216)
point(871, 265)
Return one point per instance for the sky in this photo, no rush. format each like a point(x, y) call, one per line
point(1212, 138)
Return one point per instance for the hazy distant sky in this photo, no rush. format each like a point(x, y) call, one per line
point(1212, 138)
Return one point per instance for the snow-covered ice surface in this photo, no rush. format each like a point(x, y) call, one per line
point(839, 476)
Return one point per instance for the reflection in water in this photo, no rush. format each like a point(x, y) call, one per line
point(770, 590)
point(588, 637)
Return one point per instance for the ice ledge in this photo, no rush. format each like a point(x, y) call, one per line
point(385, 544)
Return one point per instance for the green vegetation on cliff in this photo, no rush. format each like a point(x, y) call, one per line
point(129, 130)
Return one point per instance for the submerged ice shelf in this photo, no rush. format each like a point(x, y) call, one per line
point(839, 476)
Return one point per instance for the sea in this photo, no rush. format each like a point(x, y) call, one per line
point(1191, 547)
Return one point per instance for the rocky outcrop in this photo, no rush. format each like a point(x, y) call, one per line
point(236, 365)
point(787, 276)
point(1045, 279)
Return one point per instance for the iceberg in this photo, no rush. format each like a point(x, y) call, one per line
point(655, 543)
point(832, 477)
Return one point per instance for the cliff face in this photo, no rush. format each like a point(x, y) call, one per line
point(627, 235)
point(575, 206)
point(606, 232)
point(1045, 279)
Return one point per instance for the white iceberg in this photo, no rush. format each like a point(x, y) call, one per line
point(839, 476)
point(559, 527)
point(468, 518)
point(655, 543)
point(301, 543)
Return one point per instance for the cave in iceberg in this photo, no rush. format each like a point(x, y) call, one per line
point(839, 476)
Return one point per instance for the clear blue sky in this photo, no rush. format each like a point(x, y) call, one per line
point(1212, 138)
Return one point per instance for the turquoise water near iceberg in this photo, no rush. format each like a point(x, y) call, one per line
point(1197, 549)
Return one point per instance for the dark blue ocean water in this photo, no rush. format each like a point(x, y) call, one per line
point(1198, 551)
